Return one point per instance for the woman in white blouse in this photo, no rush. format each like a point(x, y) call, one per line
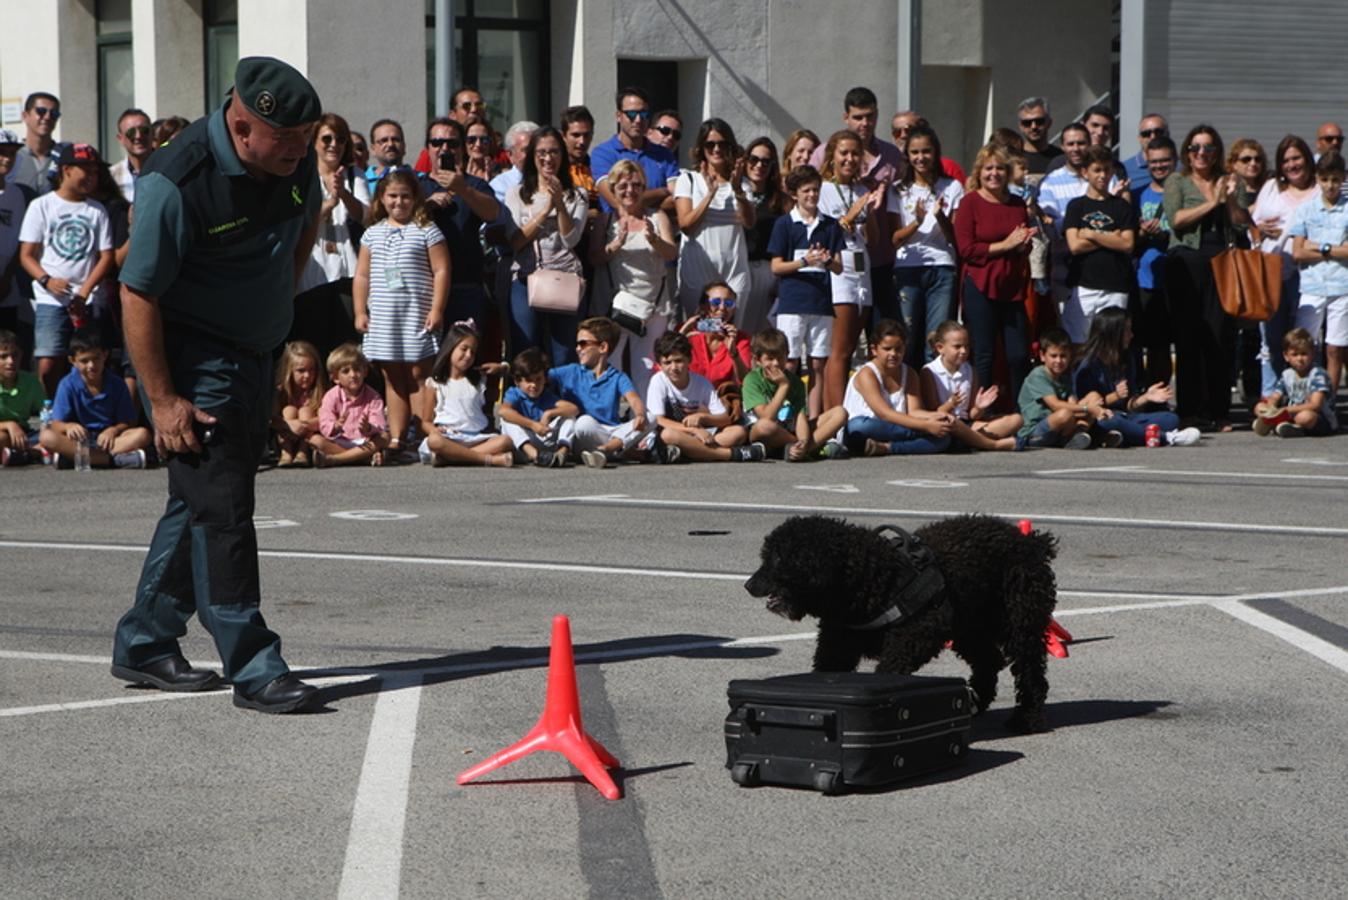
point(713, 211)
point(547, 212)
point(323, 296)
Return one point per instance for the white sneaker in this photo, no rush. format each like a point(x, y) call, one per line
point(1183, 437)
point(594, 459)
point(1079, 441)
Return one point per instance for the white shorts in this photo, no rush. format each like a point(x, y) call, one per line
point(1083, 305)
point(851, 288)
point(807, 335)
point(1331, 312)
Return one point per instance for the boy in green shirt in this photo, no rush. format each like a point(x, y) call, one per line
point(21, 397)
point(1053, 417)
point(776, 403)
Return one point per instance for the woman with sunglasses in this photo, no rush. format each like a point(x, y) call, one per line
point(1200, 204)
point(721, 352)
point(548, 215)
point(481, 149)
point(321, 315)
point(713, 210)
point(764, 187)
point(1292, 185)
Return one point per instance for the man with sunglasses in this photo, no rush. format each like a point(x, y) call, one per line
point(633, 116)
point(41, 111)
point(1034, 121)
point(467, 103)
point(459, 204)
point(136, 137)
point(666, 130)
point(1151, 127)
point(1329, 136)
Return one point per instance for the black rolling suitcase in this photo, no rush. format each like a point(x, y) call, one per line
point(833, 730)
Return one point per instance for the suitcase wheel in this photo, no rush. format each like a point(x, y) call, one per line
point(745, 774)
point(827, 782)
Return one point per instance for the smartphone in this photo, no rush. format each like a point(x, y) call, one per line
point(710, 324)
point(447, 161)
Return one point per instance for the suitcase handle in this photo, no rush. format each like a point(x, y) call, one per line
point(797, 717)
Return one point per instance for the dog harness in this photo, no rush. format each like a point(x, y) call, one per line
point(924, 585)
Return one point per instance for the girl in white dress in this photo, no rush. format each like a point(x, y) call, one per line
point(453, 417)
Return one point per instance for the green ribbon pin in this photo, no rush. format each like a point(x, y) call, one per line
point(295, 195)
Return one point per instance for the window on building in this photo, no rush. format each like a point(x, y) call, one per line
point(501, 48)
point(116, 80)
point(221, 21)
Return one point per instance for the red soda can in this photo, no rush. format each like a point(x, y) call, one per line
point(1153, 435)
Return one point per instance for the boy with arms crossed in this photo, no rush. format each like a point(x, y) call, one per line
point(1100, 229)
point(1319, 231)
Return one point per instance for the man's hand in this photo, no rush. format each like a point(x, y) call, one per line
point(174, 418)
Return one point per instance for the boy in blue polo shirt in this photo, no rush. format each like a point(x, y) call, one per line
point(805, 247)
point(94, 408)
point(597, 389)
point(1319, 231)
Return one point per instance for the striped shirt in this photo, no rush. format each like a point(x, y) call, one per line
point(401, 290)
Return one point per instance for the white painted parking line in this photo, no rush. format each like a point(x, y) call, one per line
point(1188, 473)
point(374, 848)
point(1320, 649)
point(1036, 517)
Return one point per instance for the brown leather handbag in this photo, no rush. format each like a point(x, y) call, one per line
point(1249, 283)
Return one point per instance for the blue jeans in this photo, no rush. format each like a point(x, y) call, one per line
point(989, 318)
point(926, 298)
point(554, 333)
point(902, 441)
point(1271, 363)
point(1133, 426)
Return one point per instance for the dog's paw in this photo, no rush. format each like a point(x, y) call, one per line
point(1022, 722)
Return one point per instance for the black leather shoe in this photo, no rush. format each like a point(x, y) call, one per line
point(172, 673)
point(281, 695)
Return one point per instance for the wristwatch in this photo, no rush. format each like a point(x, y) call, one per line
point(1325, 248)
point(43, 281)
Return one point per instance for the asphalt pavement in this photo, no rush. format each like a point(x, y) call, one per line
point(1198, 722)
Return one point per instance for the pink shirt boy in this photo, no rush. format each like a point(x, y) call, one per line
point(340, 416)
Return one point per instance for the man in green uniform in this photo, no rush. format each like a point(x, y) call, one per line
point(225, 215)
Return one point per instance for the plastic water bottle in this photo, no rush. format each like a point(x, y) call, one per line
point(82, 463)
point(45, 417)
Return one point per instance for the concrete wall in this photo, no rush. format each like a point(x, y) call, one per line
point(166, 43)
point(49, 47)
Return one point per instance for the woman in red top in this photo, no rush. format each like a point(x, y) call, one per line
point(712, 333)
point(993, 235)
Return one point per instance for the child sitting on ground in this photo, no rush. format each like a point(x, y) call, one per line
point(352, 429)
point(93, 408)
point(950, 385)
point(805, 247)
point(21, 398)
point(597, 388)
point(691, 420)
point(300, 387)
point(1054, 417)
point(534, 416)
point(452, 416)
point(1303, 401)
point(1107, 377)
point(777, 409)
point(884, 406)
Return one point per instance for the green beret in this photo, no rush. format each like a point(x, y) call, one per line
point(276, 92)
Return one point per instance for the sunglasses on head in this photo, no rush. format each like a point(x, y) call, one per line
point(667, 131)
point(43, 112)
point(635, 114)
point(1203, 148)
point(1152, 132)
point(451, 143)
point(1037, 121)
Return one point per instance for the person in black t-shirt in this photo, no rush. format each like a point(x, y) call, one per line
point(1101, 230)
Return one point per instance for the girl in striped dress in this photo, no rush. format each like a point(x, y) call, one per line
point(400, 290)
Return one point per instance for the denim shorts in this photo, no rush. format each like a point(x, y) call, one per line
point(1044, 435)
point(52, 329)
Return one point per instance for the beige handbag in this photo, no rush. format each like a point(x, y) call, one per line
point(552, 290)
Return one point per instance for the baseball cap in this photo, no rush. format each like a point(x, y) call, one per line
point(8, 137)
point(76, 154)
point(276, 92)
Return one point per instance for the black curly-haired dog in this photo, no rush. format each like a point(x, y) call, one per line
point(998, 594)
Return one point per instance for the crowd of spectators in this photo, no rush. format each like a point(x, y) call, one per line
point(667, 294)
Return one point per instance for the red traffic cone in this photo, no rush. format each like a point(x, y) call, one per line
point(559, 728)
point(1055, 636)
